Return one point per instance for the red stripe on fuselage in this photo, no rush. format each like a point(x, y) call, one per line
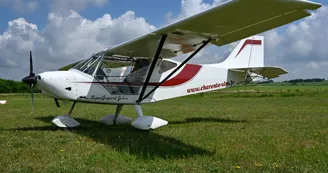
point(251, 42)
point(187, 73)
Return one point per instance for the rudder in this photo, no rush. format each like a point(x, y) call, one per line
point(248, 53)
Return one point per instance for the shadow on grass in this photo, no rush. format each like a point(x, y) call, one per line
point(202, 119)
point(124, 138)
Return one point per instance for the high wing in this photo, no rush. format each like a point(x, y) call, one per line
point(223, 24)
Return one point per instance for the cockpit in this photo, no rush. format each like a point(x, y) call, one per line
point(119, 75)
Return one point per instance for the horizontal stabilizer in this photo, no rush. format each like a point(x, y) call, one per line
point(268, 72)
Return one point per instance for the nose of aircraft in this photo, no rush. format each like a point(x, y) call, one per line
point(45, 84)
point(57, 84)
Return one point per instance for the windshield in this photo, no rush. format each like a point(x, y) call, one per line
point(89, 65)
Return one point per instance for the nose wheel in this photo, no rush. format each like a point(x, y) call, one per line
point(66, 121)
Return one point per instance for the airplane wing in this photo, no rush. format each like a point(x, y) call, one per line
point(223, 24)
point(268, 72)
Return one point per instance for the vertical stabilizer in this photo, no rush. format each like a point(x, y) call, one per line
point(248, 53)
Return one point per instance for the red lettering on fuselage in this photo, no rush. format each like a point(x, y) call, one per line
point(211, 87)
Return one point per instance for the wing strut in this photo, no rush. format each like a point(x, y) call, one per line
point(178, 68)
point(152, 67)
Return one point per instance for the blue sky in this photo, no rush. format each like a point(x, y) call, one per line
point(71, 35)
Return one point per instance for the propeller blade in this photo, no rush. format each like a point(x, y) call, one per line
point(31, 64)
point(32, 96)
point(31, 80)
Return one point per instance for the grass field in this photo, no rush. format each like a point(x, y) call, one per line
point(246, 129)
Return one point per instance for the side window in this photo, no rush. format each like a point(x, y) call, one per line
point(113, 70)
point(166, 66)
point(122, 76)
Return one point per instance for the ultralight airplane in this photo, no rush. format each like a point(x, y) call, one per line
point(141, 70)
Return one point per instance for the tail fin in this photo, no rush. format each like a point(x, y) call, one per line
point(248, 53)
point(248, 57)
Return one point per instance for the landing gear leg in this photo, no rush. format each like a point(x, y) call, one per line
point(117, 113)
point(116, 118)
point(72, 108)
point(66, 121)
point(147, 122)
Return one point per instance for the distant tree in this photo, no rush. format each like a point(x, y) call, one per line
point(265, 82)
point(305, 80)
point(10, 86)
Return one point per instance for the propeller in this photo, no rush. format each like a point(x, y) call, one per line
point(31, 80)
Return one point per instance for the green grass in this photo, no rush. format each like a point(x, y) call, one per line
point(259, 129)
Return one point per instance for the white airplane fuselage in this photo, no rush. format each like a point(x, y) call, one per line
point(122, 81)
point(77, 86)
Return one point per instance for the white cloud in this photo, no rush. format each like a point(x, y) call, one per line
point(66, 38)
point(20, 37)
point(209, 55)
point(66, 5)
point(300, 69)
point(301, 45)
point(21, 5)
point(307, 39)
point(191, 7)
point(312, 65)
point(32, 5)
point(62, 6)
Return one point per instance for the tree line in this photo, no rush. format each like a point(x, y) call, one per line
point(305, 80)
point(11, 86)
point(294, 81)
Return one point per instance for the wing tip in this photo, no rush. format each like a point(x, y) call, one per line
point(310, 5)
